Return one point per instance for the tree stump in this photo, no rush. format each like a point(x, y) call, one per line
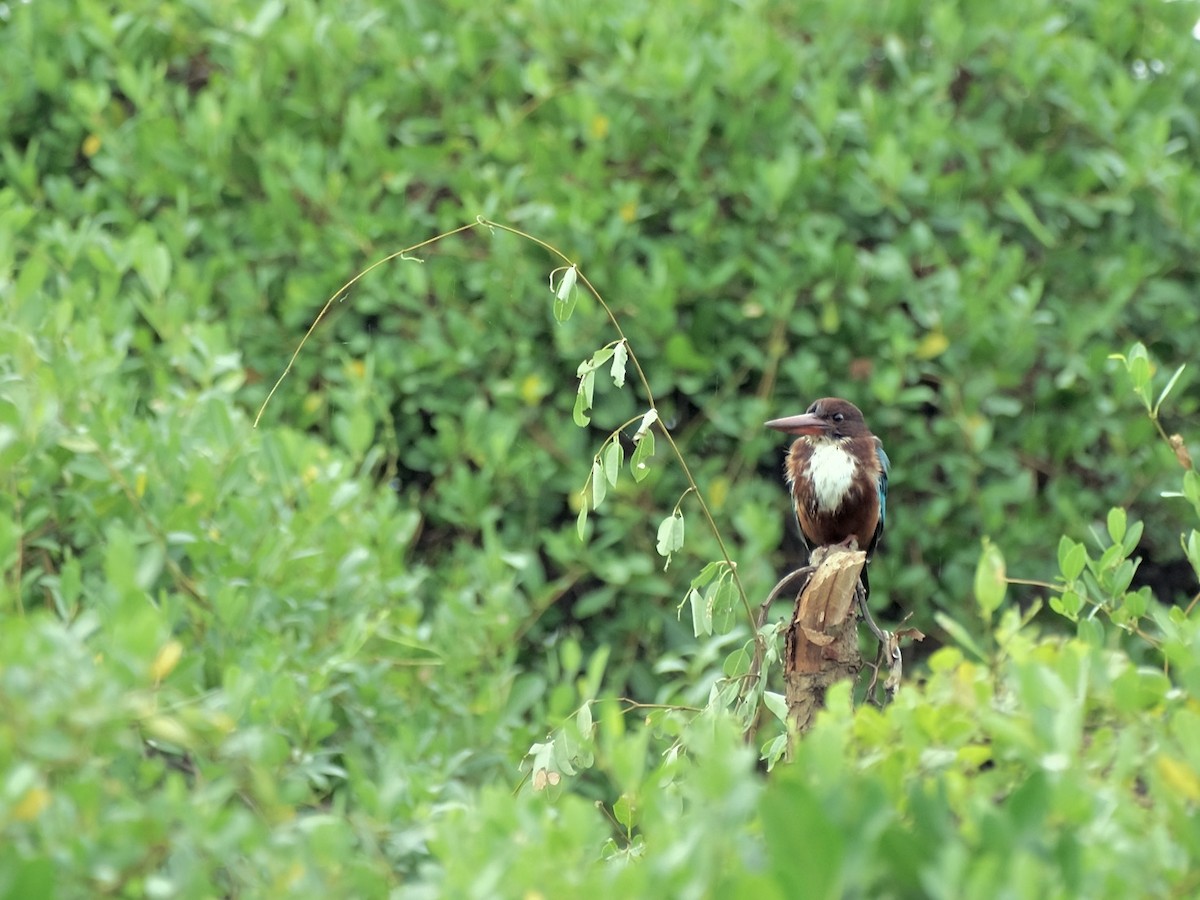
point(822, 639)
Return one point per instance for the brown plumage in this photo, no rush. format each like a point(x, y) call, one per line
point(838, 474)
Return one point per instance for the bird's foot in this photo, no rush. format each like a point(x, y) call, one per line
point(865, 611)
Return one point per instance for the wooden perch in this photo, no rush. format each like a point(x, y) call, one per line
point(822, 638)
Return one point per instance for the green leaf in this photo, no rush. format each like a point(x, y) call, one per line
point(1132, 537)
point(990, 582)
point(1070, 604)
point(1027, 217)
point(152, 261)
point(1139, 689)
point(775, 750)
point(583, 720)
point(620, 356)
point(708, 573)
point(355, 429)
point(31, 276)
point(1135, 604)
point(961, 636)
point(1116, 524)
point(639, 459)
point(1191, 489)
point(582, 406)
point(581, 520)
point(563, 753)
point(701, 614)
point(724, 606)
point(564, 296)
point(599, 484)
point(570, 657)
point(614, 457)
point(737, 663)
point(623, 812)
point(587, 386)
point(670, 534)
point(597, 359)
point(1170, 384)
point(589, 684)
point(806, 843)
point(1112, 556)
point(1140, 371)
point(1121, 577)
point(1191, 546)
point(1072, 557)
point(777, 704)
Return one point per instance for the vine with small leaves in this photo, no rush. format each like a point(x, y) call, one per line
point(714, 594)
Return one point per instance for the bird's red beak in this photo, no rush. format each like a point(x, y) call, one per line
point(805, 423)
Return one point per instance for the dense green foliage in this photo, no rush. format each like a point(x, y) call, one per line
point(308, 659)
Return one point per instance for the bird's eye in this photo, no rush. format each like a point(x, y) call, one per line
point(837, 417)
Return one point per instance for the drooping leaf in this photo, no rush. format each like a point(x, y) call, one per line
point(639, 459)
point(599, 483)
point(564, 295)
point(613, 457)
point(620, 356)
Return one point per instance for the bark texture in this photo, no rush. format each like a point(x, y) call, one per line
point(822, 638)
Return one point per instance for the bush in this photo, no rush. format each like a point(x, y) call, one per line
point(308, 658)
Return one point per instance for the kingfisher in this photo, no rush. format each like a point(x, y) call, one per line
point(838, 476)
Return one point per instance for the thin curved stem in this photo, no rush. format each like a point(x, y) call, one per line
point(612, 318)
point(645, 382)
point(399, 254)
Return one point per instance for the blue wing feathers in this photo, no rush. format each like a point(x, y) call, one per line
point(884, 465)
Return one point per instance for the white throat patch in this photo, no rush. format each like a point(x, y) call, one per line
point(831, 471)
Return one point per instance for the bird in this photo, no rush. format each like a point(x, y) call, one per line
point(837, 472)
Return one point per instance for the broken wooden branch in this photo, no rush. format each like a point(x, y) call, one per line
point(822, 638)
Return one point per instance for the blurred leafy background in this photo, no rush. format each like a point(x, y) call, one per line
point(308, 658)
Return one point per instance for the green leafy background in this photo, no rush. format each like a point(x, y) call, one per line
point(308, 659)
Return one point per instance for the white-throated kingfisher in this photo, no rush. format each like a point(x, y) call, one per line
point(838, 475)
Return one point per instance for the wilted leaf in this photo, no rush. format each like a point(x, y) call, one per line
point(620, 356)
point(639, 460)
point(670, 534)
point(564, 295)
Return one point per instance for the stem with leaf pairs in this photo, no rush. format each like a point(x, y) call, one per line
point(670, 533)
point(608, 461)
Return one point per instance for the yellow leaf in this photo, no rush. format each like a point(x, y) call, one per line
point(168, 729)
point(599, 126)
point(139, 484)
point(718, 491)
point(30, 806)
point(91, 146)
point(1179, 776)
point(356, 368)
point(532, 389)
point(933, 344)
point(974, 755)
point(166, 660)
point(628, 211)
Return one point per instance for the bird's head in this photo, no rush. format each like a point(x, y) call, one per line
point(831, 418)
